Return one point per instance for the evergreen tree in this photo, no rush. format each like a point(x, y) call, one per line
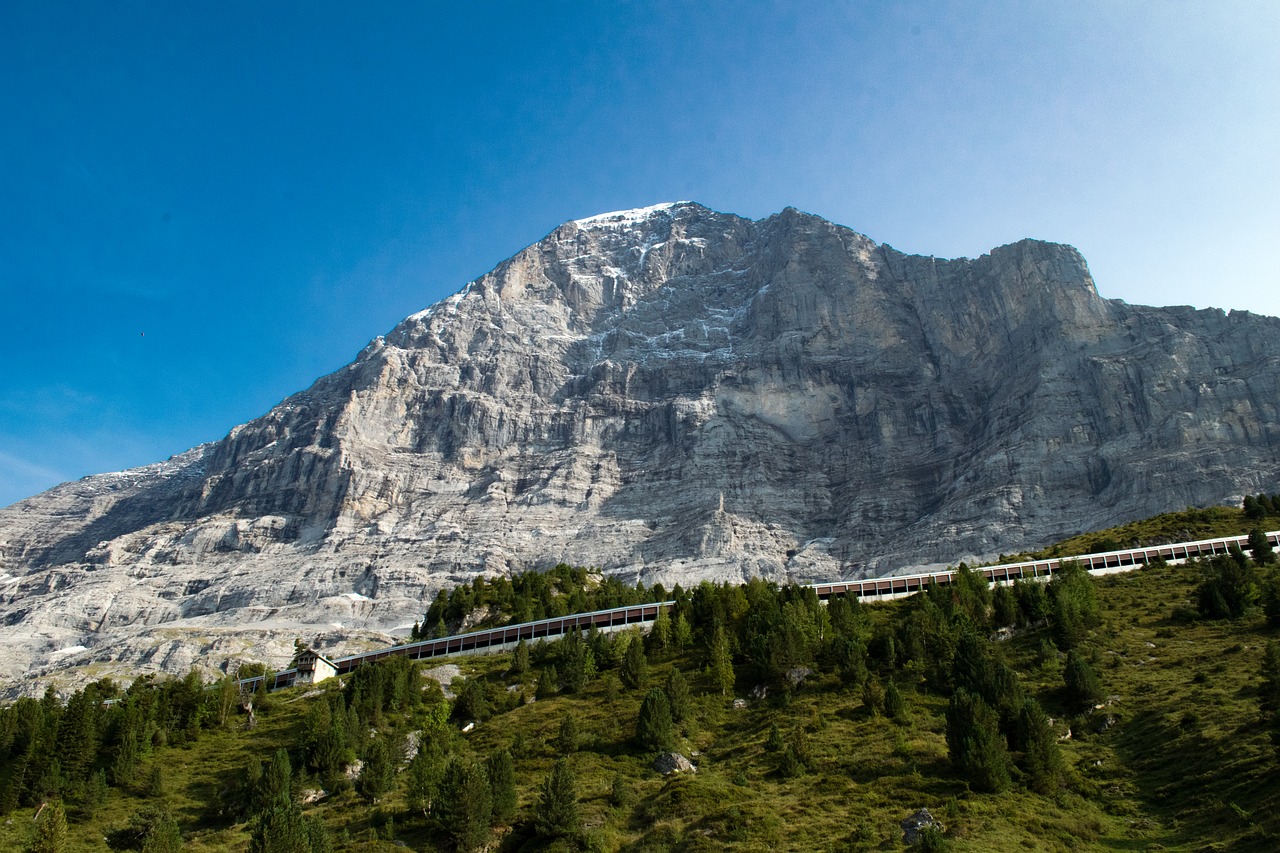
point(276, 785)
point(473, 702)
point(721, 662)
point(502, 785)
point(228, 699)
point(317, 835)
point(557, 815)
point(379, 771)
point(977, 749)
point(546, 682)
point(1004, 607)
point(789, 764)
point(77, 735)
point(12, 791)
point(1271, 676)
point(850, 657)
point(873, 696)
point(620, 793)
point(163, 835)
point(774, 742)
point(1084, 688)
point(635, 666)
point(464, 805)
point(520, 659)
point(654, 730)
point(1271, 599)
point(1073, 605)
point(157, 781)
point(681, 634)
point(51, 830)
point(1033, 602)
point(579, 663)
point(1252, 509)
point(280, 828)
point(1041, 759)
point(1229, 586)
point(1260, 547)
point(424, 779)
point(567, 742)
point(895, 707)
point(973, 668)
point(677, 695)
point(659, 640)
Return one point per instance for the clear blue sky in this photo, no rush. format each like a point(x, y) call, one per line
point(205, 206)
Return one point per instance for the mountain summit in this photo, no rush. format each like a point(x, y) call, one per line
point(669, 393)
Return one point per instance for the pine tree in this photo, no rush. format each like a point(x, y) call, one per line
point(677, 694)
point(51, 830)
point(317, 835)
point(1260, 547)
point(789, 764)
point(280, 828)
point(873, 696)
point(721, 662)
point(228, 699)
point(773, 742)
point(977, 749)
point(557, 815)
point(895, 707)
point(423, 780)
point(464, 805)
point(157, 781)
point(379, 771)
point(520, 659)
point(163, 836)
point(95, 793)
point(546, 682)
point(681, 634)
point(1033, 602)
point(620, 793)
point(1271, 599)
point(1073, 605)
point(12, 792)
point(1271, 677)
point(502, 785)
point(1004, 607)
point(659, 640)
point(77, 736)
point(1084, 688)
point(654, 730)
point(1041, 759)
point(635, 666)
point(567, 742)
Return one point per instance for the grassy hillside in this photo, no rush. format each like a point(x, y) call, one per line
point(1178, 757)
point(1182, 526)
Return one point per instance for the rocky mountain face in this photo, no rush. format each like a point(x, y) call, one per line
point(668, 393)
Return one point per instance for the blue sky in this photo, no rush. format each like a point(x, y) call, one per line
point(205, 206)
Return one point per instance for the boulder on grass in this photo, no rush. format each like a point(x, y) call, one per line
point(673, 762)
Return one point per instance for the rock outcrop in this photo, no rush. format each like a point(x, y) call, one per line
point(669, 393)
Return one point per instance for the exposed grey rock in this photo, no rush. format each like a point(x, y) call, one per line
point(673, 762)
point(797, 674)
point(914, 825)
point(671, 394)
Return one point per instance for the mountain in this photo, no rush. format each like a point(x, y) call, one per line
point(669, 393)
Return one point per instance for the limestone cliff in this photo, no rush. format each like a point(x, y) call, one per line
point(669, 393)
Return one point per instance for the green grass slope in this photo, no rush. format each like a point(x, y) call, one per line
point(1178, 757)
